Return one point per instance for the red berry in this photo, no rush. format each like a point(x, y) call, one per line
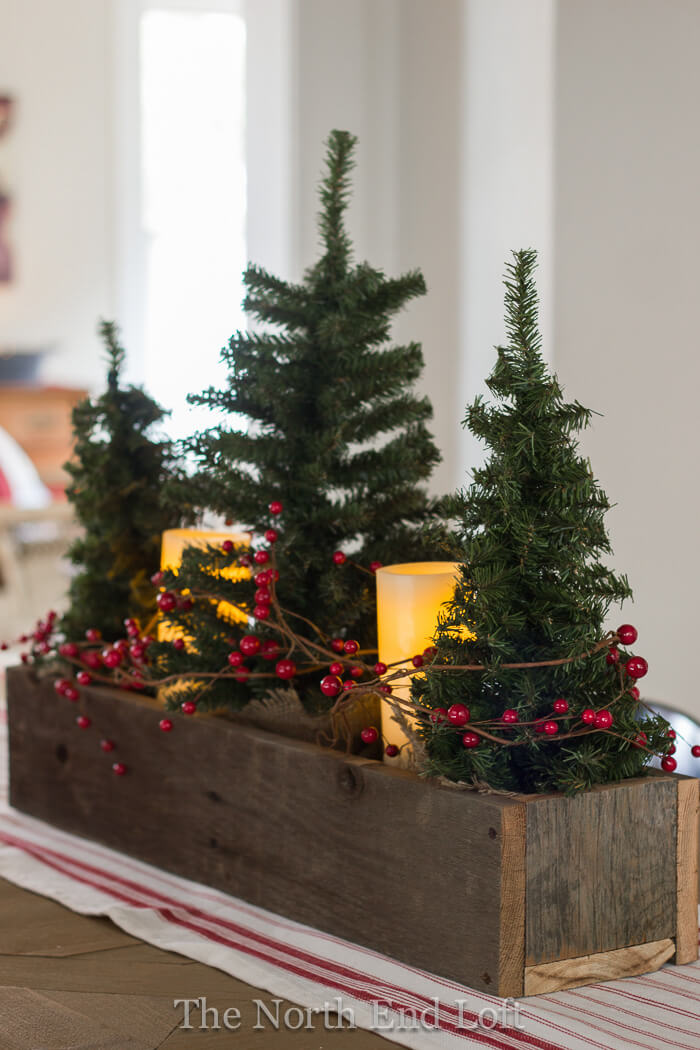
point(561, 706)
point(269, 650)
point(339, 558)
point(157, 578)
point(458, 714)
point(331, 685)
point(165, 724)
point(356, 672)
point(69, 649)
point(111, 657)
point(261, 557)
point(262, 596)
point(338, 645)
point(369, 734)
point(671, 750)
point(636, 667)
point(83, 678)
point(391, 750)
point(185, 604)
point(61, 684)
point(227, 546)
point(348, 684)
point(439, 715)
point(603, 720)
point(235, 659)
point(385, 688)
point(107, 745)
point(539, 725)
point(336, 668)
point(242, 674)
point(417, 661)
point(137, 651)
point(72, 694)
point(119, 769)
point(179, 643)
point(246, 561)
point(93, 635)
point(286, 669)
point(24, 657)
point(510, 717)
point(671, 734)
point(430, 652)
point(612, 656)
point(550, 728)
point(166, 601)
point(668, 764)
point(627, 634)
point(588, 716)
point(276, 507)
point(189, 707)
point(380, 668)
point(261, 612)
point(641, 740)
point(634, 692)
point(373, 566)
point(249, 644)
point(471, 740)
point(83, 721)
point(262, 578)
point(272, 535)
point(351, 647)
point(695, 751)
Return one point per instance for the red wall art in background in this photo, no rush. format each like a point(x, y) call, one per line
point(5, 254)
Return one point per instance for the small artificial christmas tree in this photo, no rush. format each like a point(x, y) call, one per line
point(118, 476)
point(323, 427)
point(552, 703)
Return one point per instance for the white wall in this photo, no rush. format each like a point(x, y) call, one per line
point(627, 278)
point(55, 59)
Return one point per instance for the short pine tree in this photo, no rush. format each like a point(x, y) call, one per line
point(321, 416)
point(118, 476)
point(533, 587)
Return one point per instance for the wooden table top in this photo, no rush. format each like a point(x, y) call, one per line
point(70, 982)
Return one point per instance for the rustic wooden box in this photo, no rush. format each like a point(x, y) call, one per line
point(508, 895)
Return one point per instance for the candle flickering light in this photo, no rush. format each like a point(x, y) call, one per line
point(409, 598)
point(174, 542)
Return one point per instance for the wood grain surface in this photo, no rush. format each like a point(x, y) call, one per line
point(605, 966)
point(473, 887)
point(687, 871)
point(601, 869)
point(119, 994)
point(354, 847)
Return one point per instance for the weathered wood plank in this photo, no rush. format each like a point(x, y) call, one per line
point(367, 852)
point(513, 884)
point(605, 966)
point(687, 871)
point(601, 870)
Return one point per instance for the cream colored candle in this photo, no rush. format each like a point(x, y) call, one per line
point(173, 544)
point(409, 598)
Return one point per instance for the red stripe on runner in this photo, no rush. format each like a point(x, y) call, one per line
point(65, 864)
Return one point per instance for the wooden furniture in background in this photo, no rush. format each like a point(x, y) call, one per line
point(509, 895)
point(39, 419)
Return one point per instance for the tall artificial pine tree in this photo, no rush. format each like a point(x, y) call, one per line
point(321, 416)
point(533, 587)
point(119, 472)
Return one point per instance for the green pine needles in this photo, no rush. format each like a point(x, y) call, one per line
point(118, 475)
point(534, 587)
point(321, 415)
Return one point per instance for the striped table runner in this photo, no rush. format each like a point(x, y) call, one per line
point(294, 962)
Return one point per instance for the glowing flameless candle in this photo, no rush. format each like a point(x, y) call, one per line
point(409, 598)
point(174, 542)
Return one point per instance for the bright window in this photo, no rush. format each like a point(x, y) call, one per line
point(193, 199)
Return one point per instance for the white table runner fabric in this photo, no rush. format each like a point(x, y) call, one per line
point(311, 968)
